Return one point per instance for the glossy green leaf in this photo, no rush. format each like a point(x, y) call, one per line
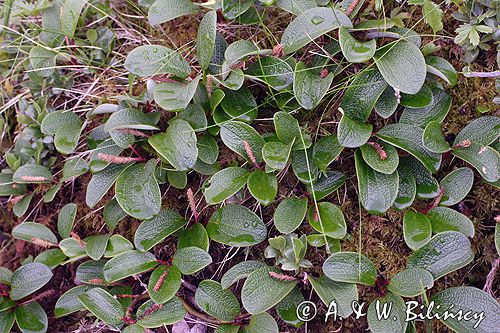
point(354, 50)
point(91, 272)
point(303, 167)
point(27, 279)
point(236, 225)
point(427, 186)
point(481, 131)
point(411, 282)
point(137, 191)
point(288, 130)
point(218, 302)
point(275, 72)
point(445, 219)
point(377, 191)
point(31, 318)
point(170, 283)
point(325, 151)
point(240, 104)
point(396, 321)
point(457, 184)
point(311, 24)
point(421, 99)
point(436, 111)
point(32, 173)
point(66, 219)
point(102, 305)
point(127, 264)
point(96, 246)
point(263, 186)
point(289, 214)
point(177, 145)
point(342, 293)
point(240, 271)
point(442, 69)
point(191, 259)
point(208, 150)
point(195, 235)
point(350, 267)
point(443, 254)
point(101, 182)
point(116, 245)
point(195, 115)
point(362, 94)
point(407, 187)
point(8, 187)
point(68, 303)
point(387, 103)
point(72, 249)
point(276, 154)
point(132, 118)
point(7, 320)
point(417, 229)
point(309, 87)
point(255, 294)
point(326, 184)
point(153, 231)
point(113, 214)
point(328, 219)
point(409, 138)
point(433, 139)
point(234, 8)
point(352, 133)
point(233, 134)
point(32, 231)
point(149, 60)
point(162, 11)
point(224, 184)
point(175, 96)
point(206, 39)
point(170, 313)
point(52, 258)
point(484, 159)
point(66, 128)
point(402, 65)
point(377, 160)
point(262, 322)
point(241, 49)
point(468, 300)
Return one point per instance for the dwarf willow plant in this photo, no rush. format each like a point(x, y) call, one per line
point(134, 152)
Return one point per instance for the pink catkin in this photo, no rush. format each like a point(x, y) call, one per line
point(282, 277)
point(80, 242)
point(34, 178)
point(134, 132)
point(380, 150)
point(278, 50)
point(324, 73)
point(192, 204)
point(250, 154)
point(160, 281)
point(41, 242)
point(152, 309)
point(118, 159)
point(463, 144)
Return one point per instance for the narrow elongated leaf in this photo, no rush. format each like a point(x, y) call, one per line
point(411, 282)
point(350, 267)
point(342, 293)
point(289, 214)
point(162, 11)
point(137, 191)
point(102, 305)
point(236, 225)
point(396, 322)
point(362, 94)
point(206, 39)
point(444, 219)
point(328, 220)
point(255, 294)
point(443, 254)
point(402, 65)
point(433, 138)
point(153, 231)
point(240, 271)
point(191, 259)
point(354, 50)
point(417, 229)
point(66, 219)
point(224, 184)
point(174, 96)
point(31, 318)
point(352, 133)
point(233, 134)
point(164, 283)
point(218, 302)
point(177, 145)
point(377, 191)
point(468, 299)
point(311, 24)
point(457, 184)
point(309, 87)
point(263, 186)
point(436, 111)
point(409, 138)
point(27, 279)
point(127, 264)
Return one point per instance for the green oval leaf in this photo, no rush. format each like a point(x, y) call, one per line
point(263, 186)
point(481, 131)
point(31, 318)
point(127, 264)
point(218, 302)
point(395, 322)
point(328, 219)
point(444, 219)
point(442, 68)
point(342, 293)
point(433, 138)
point(101, 182)
point(354, 50)
point(102, 305)
point(196, 235)
point(66, 219)
point(224, 184)
point(206, 39)
point(457, 184)
point(175, 96)
point(162, 11)
point(68, 303)
point(385, 160)
point(289, 214)
point(162, 291)
point(485, 159)
point(436, 111)
point(352, 133)
point(240, 104)
point(116, 245)
point(32, 173)
point(27, 279)
point(350, 267)
point(170, 313)
point(240, 271)
point(149, 60)
point(421, 99)
point(411, 282)
point(325, 151)
point(31, 232)
point(309, 87)
point(66, 128)
point(191, 259)
point(417, 229)
point(262, 322)
point(443, 254)
point(233, 134)
point(96, 245)
point(276, 154)
point(236, 225)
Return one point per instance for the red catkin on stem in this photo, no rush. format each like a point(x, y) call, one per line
point(380, 150)
point(282, 277)
point(118, 159)
point(161, 280)
point(250, 154)
point(192, 204)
